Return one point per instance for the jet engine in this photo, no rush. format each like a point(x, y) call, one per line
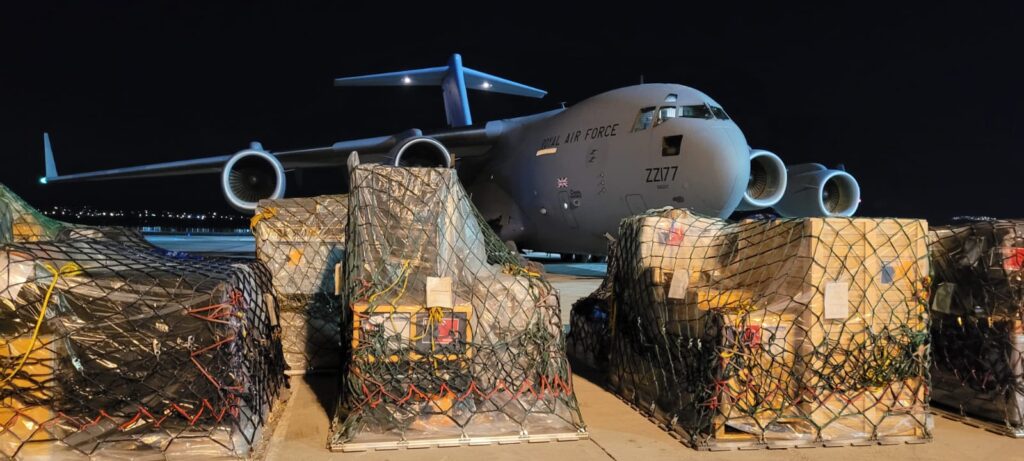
point(767, 182)
point(252, 175)
point(813, 190)
point(421, 151)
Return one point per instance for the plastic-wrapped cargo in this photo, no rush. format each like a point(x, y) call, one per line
point(302, 242)
point(588, 341)
point(112, 349)
point(977, 317)
point(784, 333)
point(454, 342)
point(20, 222)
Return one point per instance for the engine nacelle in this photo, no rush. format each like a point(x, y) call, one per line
point(421, 151)
point(814, 190)
point(767, 182)
point(252, 175)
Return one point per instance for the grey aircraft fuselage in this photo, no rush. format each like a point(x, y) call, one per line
point(560, 180)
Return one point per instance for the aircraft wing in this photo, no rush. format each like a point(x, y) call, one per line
point(465, 142)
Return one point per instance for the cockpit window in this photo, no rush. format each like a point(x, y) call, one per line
point(698, 111)
point(708, 112)
point(644, 119)
point(665, 113)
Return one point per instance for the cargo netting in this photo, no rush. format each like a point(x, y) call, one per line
point(20, 222)
point(302, 242)
point(588, 341)
point(453, 340)
point(110, 348)
point(790, 332)
point(977, 313)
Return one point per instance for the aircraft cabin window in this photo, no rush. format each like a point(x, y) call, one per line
point(697, 111)
point(671, 97)
point(665, 113)
point(644, 119)
point(719, 112)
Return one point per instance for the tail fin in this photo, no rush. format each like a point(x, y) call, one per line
point(51, 166)
point(453, 79)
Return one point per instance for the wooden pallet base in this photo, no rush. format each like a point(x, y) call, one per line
point(458, 442)
point(752, 443)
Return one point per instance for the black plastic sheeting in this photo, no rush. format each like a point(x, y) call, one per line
point(977, 309)
point(115, 349)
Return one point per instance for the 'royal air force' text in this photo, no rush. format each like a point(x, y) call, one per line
point(597, 132)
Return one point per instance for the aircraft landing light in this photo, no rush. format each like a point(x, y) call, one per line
point(42, 180)
point(406, 80)
point(548, 151)
point(486, 85)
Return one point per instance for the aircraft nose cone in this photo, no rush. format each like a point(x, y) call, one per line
point(717, 166)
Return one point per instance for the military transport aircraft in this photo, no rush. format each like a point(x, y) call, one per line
point(555, 181)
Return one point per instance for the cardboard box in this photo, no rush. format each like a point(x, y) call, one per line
point(812, 314)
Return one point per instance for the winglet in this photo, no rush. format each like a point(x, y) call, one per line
point(51, 167)
point(454, 81)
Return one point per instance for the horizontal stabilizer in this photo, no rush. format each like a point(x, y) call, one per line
point(430, 76)
point(454, 80)
point(486, 82)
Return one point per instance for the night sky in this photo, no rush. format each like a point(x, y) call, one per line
point(922, 105)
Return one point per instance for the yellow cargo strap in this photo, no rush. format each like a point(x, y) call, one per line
point(267, 213)
point(67, 269)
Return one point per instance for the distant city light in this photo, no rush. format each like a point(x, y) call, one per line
point(147, 218)
point(973, 218)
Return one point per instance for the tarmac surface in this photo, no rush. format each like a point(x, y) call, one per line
point(617, 432)
point(241, 245)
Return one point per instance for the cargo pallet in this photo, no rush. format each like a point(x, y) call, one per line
point(990, 426)
point(458, 442)
point(744, 442)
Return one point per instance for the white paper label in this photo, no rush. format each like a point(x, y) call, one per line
point(271, 303)
point(777, 346)
point(439, 292)
point(677, 290)
point(943, 298)
point(837, 300)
